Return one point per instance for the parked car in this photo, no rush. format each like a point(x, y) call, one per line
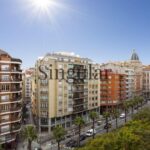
point(90, 132)
point(82, 137)
point(108, 125)
point(68, 136)
point(72, 143)
point(38, 149)
point(122, 115)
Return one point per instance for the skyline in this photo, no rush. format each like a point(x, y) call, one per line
point(98, 30)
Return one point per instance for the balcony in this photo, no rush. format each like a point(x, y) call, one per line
point(43, 92)
point(43, 84)
point(79, 95)
point(81, 90)
point(104, 98)
point(11, 80)
point(79, 81)
point(80, 98)
point(11, 120)
point(79, 103)
point(16, 70)
point(109, 102)
point(16, 89)
point(8, 138)
point(10, 110)
point(5, 70)
point(15, 127)
point(11, 100)
point(79, 109)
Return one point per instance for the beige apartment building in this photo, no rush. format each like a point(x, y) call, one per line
point(10, 99)
point(63, 88)
point(59, 94)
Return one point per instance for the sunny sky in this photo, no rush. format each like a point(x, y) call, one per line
point(102, 30)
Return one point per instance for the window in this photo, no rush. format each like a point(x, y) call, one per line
point(5, 67)
point(5, 118)
point(4, 98)
point(60, 66)
point(44, 105)
point(116, 77)
point(5, 77)
point(44, 121)
point(5, 108)
point(5, 87)
point(5, 128)
point(44, 113)
point(109, 77)
point(2, 138)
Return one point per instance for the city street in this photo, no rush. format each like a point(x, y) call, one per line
point(22, 145)
point(99, 129)
point(30, 119)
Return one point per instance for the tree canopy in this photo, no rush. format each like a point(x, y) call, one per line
point(134, 135)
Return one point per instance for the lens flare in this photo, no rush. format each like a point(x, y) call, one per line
point(42, 5)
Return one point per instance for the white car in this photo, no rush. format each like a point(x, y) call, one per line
point(122, 115)
point(90, 132)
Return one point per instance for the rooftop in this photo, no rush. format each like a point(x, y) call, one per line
point(3, 52)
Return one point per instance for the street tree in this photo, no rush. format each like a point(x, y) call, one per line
point(59, 133)
point(106, 116)
point(116, 115)
point(93, 115)
point(79, 122)
point(30, 134)
point(126, 106)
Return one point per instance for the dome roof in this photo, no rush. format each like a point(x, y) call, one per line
point(134, 56)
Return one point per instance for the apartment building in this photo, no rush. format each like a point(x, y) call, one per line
point(112, 89)
point(94, 86)
point(65, 85)
point(146, 82)
point(62, 90)
point(130, 83)
point(10, 98)
point(27, 80)
point(133, 69)
point(134, 64)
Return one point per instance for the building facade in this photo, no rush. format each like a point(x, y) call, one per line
point(146, 82)
point(113, 90)
point(26, 88)
point(10, 98)
point(65, 85)
point(136, 72)
point(133, 69)
point(130, 83)
point(62, 90)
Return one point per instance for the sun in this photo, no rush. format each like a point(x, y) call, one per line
point(42, 5)
point(44, 10)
